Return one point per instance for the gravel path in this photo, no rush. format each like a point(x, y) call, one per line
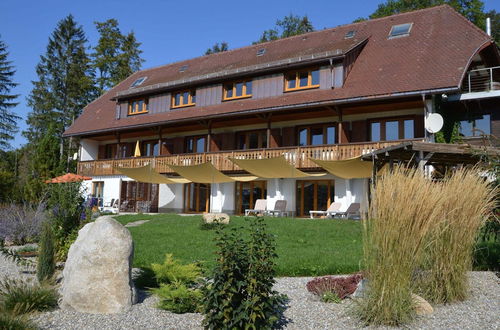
point(481, 311)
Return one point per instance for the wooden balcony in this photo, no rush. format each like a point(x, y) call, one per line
point(298, 156)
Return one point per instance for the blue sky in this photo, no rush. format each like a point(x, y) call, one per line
point(168, 30)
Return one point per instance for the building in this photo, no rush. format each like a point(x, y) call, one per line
point(332, 94)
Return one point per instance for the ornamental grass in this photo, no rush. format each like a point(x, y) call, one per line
point(468, 201)
point(402, 213)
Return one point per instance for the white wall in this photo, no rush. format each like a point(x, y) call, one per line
point(171, 197)
point(349, 191)
point(222, 197)
point(89, 149)
point(281, 189)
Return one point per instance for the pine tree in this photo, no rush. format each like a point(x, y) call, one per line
point(64, 87)
point(8, 120)
point(116, 56)
point(217, 48)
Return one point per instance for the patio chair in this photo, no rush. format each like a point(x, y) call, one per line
point(333, 209)
point(258, 209)
point(279, 209)
point(353, 209)
point(109, 204)
point(123, 206)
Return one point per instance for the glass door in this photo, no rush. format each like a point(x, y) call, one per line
point(196, 197)
point(313, 195)
point(247, 193)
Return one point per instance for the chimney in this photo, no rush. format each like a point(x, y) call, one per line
point(488, 26)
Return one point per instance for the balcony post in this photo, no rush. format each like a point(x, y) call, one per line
point(491, 79)
point(268, 131)
point(117, 155)
point(468, 78)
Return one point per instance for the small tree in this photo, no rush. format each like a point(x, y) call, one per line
point(240, 293)
point(46, 258)
point(217, 48)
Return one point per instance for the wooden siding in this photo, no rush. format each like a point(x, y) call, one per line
point(325, 77)
point(300, 157)
point(159, 103)
point(123, 109)
point(209, 95)
point(267, 86)
point(338, 75)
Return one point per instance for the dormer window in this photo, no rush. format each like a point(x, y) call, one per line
point(401, 30)
point(304, 79)
point(183, 99)
point(137, 82)
point(237, 90)
point(138, 106)
point(350, 34)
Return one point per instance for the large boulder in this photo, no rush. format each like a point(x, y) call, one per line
point(216, 218)
point(97, 273)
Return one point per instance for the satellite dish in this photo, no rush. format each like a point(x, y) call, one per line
point(433, 123)
point(75, 156)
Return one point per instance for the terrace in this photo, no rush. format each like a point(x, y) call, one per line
point(298, 156)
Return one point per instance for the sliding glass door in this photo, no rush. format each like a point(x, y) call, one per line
point(196, 197)
point(247, 193)
point(313, 195)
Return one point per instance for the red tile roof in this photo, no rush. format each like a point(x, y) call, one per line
point(435, 55)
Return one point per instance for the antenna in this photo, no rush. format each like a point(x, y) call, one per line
point(433, 123)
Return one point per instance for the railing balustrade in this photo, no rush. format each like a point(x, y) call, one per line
point(297, 156)
point(482, 80)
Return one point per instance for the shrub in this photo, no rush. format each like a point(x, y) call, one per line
point(178, 298)
point(46, 258)
point(330, 297)
point(14, 322)
point(487, 249)
point(450, 247)
point(341, 287)
point(172, 271)
point(21, 223)
point(65, 244)
point(20, 297)
point(240, 293)
point(402, 212)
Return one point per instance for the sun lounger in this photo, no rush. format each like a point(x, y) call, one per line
point(279, 209)
point(259, 208)
point(333, 209)
point(352, 210)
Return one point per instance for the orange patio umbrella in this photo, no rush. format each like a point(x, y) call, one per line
point(68, 177)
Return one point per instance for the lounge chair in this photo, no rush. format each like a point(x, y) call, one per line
point(333, 209)
point(109, 204)
point(124, 206)
point(353, 209)
point(258, 209)
point(279, 209)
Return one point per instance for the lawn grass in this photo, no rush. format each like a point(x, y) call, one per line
point(305, 247)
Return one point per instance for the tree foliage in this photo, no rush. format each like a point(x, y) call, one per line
point(495, 25)
point(473, 10)
point(217, 48)
point(116, 56)
point(8, 120)
point(289, 26)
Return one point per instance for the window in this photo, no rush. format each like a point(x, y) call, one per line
point(392, 129)
point(110, 151)
point(196, 197)
point(247, 193)
point(350, 34)
point(316, 135)
point(237, 90)
point(476, 126)
point(301, 80)
point(196, 144)
point(183, 99)
point(150, 148)
point(138, 106)
point(98, 191)
point(252, 140)
point(313, 195)
point(261, 52)
point(138, 82)
point(400, 30)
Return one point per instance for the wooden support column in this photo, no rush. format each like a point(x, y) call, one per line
point(339, 126)
point(159, 140)
point(117, 155)
point(268, 132)
point(209, 136)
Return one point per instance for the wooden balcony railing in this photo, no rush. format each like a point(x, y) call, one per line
point(298, 156)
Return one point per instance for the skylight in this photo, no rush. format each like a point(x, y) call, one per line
point(261, 52)
point(183, 68)
point(350, 34)
point(138, 81)
point(400, 30)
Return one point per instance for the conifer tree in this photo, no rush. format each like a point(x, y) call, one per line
point(116, 56)
point(8, 120)
point(65, 82)
point(289, 26)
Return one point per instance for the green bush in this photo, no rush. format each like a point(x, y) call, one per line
point(46, 259)
point(178, 298)
point(239, 294)
point(65, 244)
point(330, 297)
point(20, 297)
point(172, 271)
point(14, 322)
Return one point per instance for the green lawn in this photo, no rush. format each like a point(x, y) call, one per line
point(304, 246)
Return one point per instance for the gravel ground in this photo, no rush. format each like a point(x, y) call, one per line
point(481, 311)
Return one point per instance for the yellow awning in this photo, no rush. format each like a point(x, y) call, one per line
point(206, 173)
point(351, 168)
point(148, 175)
point(277, 167)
